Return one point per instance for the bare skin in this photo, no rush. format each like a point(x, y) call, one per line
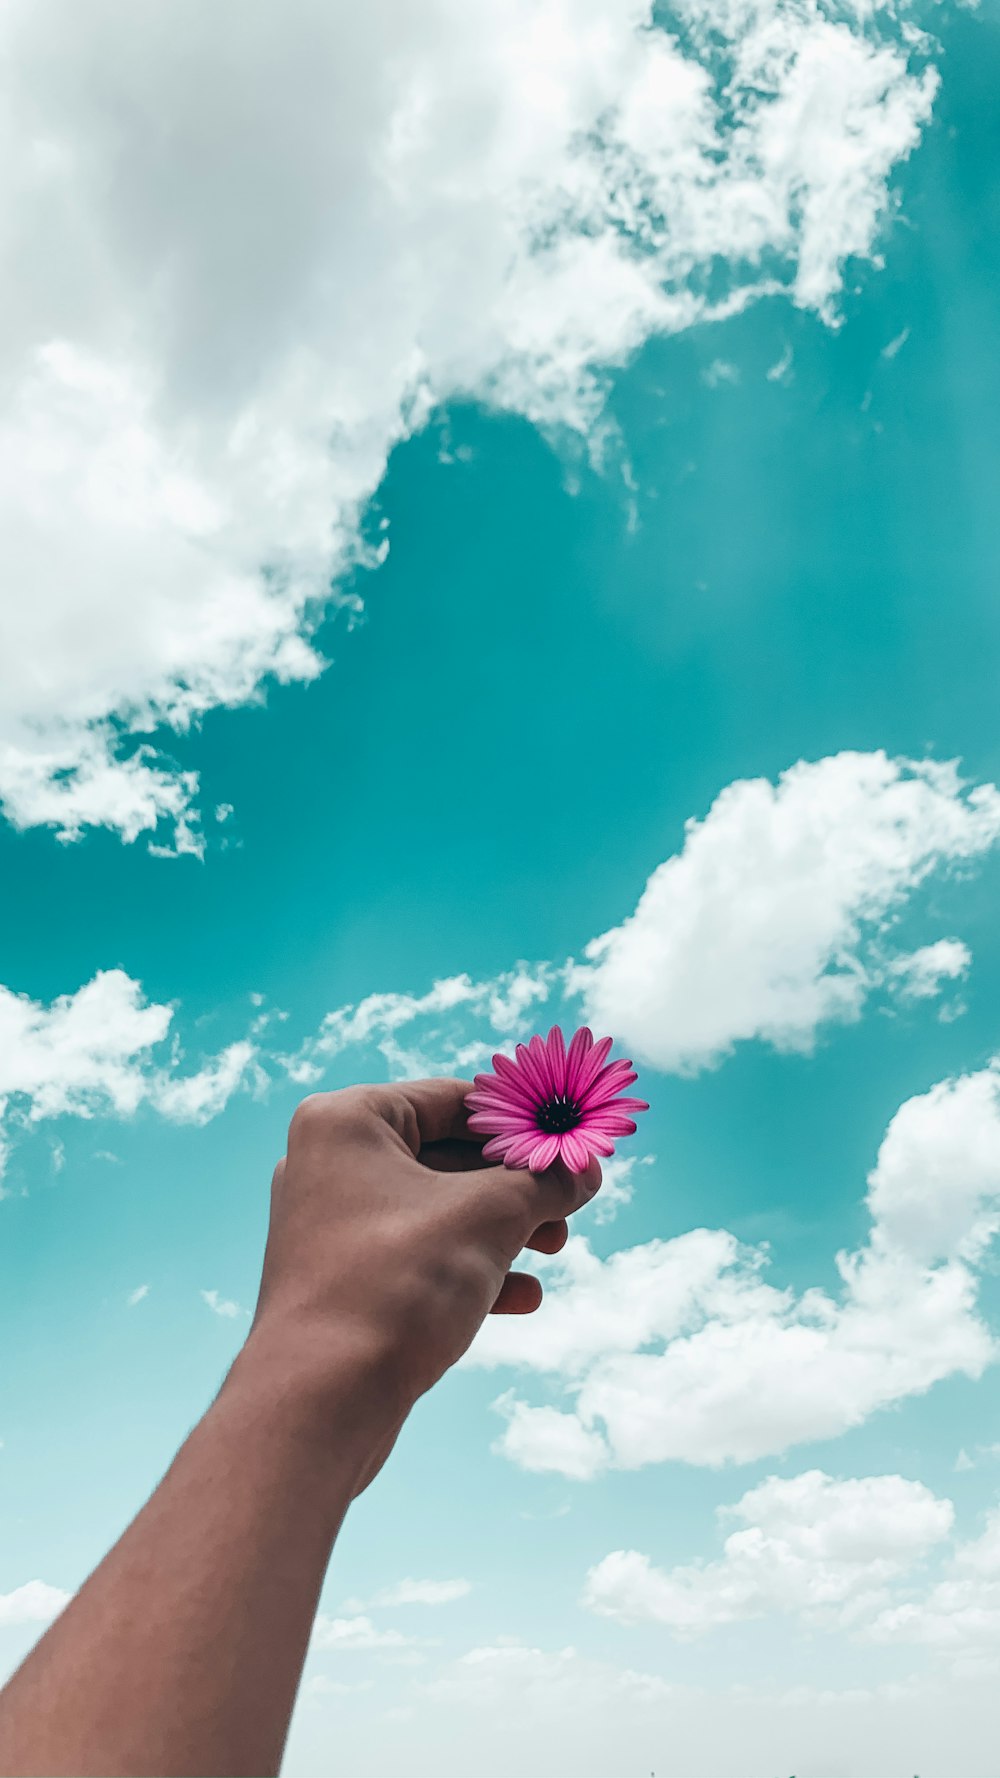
point(389, 1244)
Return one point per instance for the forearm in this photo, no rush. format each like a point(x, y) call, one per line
point(183, 1651)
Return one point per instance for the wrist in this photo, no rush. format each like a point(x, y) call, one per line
point(335, 1388)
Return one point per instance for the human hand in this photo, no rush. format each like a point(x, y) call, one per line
point(390, 1240)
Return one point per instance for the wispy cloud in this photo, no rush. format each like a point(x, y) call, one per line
point(781, 370)
point(896, 345)
point(423, 1592)
point(221, 1305)
point(451, 1016)
point(354, 1633)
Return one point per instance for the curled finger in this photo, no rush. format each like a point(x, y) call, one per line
point(549, 1237)
point(520, 1294)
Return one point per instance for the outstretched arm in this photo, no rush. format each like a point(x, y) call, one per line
point(389, 1243)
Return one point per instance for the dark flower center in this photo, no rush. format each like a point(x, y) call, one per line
point(557, 1115)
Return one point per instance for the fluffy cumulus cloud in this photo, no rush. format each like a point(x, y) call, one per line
point(807, 1545)
point(254, 247)
point(832, 1555)
point(98, 1052)
point(682, 1350)
point(959, 1616)
point(771, 921)
point(775, 919)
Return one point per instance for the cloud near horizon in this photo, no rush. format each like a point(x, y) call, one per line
point(833, 1555)
point(808, 1545)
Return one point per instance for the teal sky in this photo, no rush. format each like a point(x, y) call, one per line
point(787, 551)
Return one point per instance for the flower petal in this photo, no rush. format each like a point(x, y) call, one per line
point(574, 1152)
point(555, 1048)
point(528, 1064)
point(543, 1154)
point(608, 1125)
point(491, 1123)
point(608, 1084)
point(581, 1044)
point(540, 1056)
point(519, 1150)
point(483, 1101)
point(598, 1141)
point(512, 1077)
point(592, 1064)
point(496, 1149)
point(612, 1071)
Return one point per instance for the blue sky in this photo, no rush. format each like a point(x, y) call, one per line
point(609, 401)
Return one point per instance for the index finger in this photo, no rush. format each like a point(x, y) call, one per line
point(439, 1111)
point(538, 1198)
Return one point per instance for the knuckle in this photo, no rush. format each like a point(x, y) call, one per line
point(310, 1116)
point(385, 1105)
point(348, 1112)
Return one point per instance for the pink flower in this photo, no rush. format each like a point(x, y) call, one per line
point(553, 1103)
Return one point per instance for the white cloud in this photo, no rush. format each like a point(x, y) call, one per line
point(423, 1592)
point(540, 1679)
point(451, 1014)
point(34, 1603)
point(288, 242)
point(222, 1305)
point(807, 1545)
point(92, 1053)
point(834, 1555)
point(771, 920)
point(320, 1685)
point(546, 1439)
point(781, 370)
point(934, 1194)
point(959, 1616)
point(681, 1351)
point(353, 1633)
point(137, 1295)
point(617, 1186)
point(897, 344)
point(83, 1050)
point(720, 371)
point(918, 975)
point(196, 1098)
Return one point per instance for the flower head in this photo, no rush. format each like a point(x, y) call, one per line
point(552, 1103)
